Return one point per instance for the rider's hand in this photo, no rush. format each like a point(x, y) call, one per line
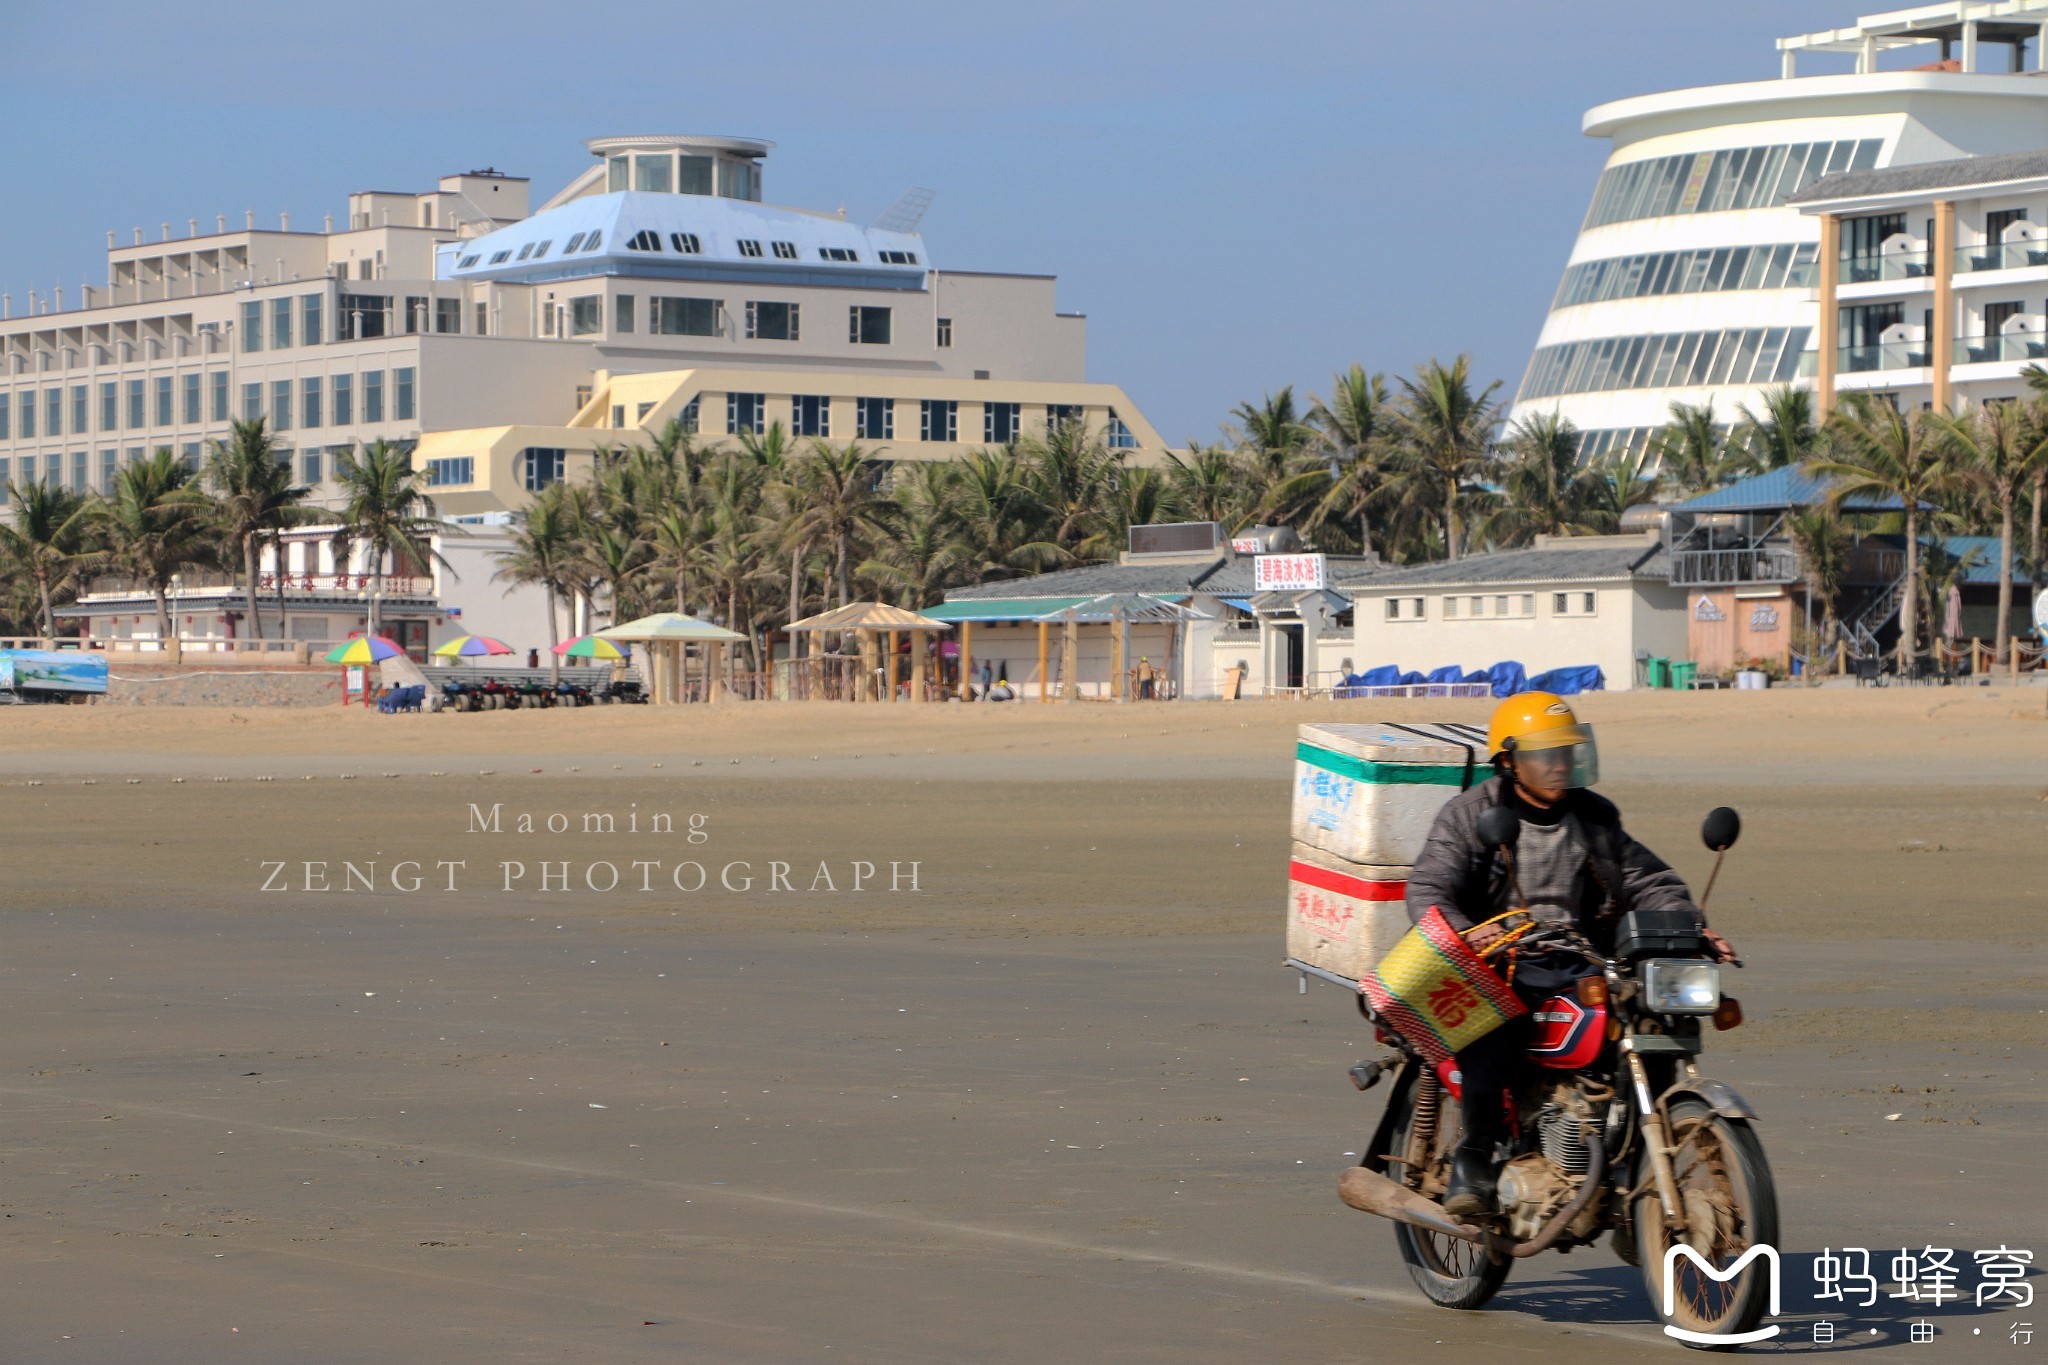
point(1724, 951)
point(1481, 935)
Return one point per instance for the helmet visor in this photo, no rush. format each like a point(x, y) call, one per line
point(1570, 750)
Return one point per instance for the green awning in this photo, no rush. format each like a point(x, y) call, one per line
point(1000, 608)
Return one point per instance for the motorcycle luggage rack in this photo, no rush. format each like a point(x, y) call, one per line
point(1308, 970)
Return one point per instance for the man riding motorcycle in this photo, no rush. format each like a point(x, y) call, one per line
point(1573, 866)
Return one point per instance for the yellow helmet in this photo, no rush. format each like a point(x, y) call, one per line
point(1532, 721)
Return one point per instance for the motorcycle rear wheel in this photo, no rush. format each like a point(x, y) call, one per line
point(1451, 1273)
point(1730, 1203)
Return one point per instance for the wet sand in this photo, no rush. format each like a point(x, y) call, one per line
point(1059, 1102)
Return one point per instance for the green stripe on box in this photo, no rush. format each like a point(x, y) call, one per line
point(1381, 774)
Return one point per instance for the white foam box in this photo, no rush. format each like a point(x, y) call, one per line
point(1343, 917)
point(1368, 793)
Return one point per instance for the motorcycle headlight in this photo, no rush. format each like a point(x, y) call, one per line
point(1676, 986)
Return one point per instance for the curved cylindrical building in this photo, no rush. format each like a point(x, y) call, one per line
point(1692, 279)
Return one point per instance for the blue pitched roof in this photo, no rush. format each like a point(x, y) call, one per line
point(1776, 489)
point(1979, 555)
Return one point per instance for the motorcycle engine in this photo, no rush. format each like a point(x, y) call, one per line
point(1535, 1185)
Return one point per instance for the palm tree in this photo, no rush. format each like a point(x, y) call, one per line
point(1208, 484)
point(1824, 545)
point(1272, 434)
point(254, 499)
point(48, 541)
point(2037, 380)
point(541, 550)
point(925, 551)
point(1999, 448)
point(996, 512)
point(1350, 432)
point(1625, 480)
point(1072, 473)
point(1546, 488)
point(840, 504)
point(154, 526)
point(1785, 433)
point(1692, 452)
point(1878, 450)
point(386, 510)
point(1444, 429)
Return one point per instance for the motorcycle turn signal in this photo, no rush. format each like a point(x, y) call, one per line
point(1728, 1014)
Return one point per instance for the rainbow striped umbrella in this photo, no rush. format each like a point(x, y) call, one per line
point(470, 646)
point(591, 647)
point(364, 649)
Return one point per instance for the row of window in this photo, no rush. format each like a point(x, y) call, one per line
point(331, 399)
point(684, 173)
point(1749, 355)
point(874, 419)
point(158, 401)
point(1504, 606)
point(76, 470)
point(1787, 265)
point(1713, 182)
point(268, 324)
point(766, 320)
point(683, 244)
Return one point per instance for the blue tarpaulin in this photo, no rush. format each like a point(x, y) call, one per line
point(1452, 674)
point(1384, 676)
point(1570, 681)
point(1507, 678)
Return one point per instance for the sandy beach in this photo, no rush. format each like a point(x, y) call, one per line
point(1037, 1089)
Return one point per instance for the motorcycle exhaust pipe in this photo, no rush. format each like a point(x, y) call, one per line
point(1371, 1192)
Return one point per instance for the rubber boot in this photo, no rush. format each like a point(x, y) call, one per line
point(1474, 1179)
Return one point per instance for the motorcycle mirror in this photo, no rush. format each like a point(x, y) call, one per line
point(1500, 827)
point(1721, 829)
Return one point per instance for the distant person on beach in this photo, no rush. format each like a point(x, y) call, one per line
point(1002, 691)
point(1148, 678)
point(988, 674)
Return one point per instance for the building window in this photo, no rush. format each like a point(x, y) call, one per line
point(1751, 355)
point(687, 418)
point(618, 415)
point(938, 419)
point(81, 409)
point(500, 257)
point(749, 247)
point(415, 314)
point(252, 325)
point(252, 402)
point(541, 466)
point(693, 174)
point(810, 414)
point(1404, 608)
point(647, 239)
point(373, 395)
point(686, 243)
point(28, 416)
point(547, 319)
point(1784, 265)
point(402, 396)
point(622, 313)
point(188, 456)
point(53, 412)
point(999, 422)
point(193, 412)
point(784, 251)
point(1118, 435)
point(1717, 181)
point(364, 316)
point(1059, 415)
point(448, 316)
point(81, 471)
point(28, 469)
point(874, 419)
point(137, 417)
point(166, 414)
point(456, 469)
point(110, 405)
point(280, 405)
point(867, 326)
point(745, 412)
point(309, 467)
point(653, 174)
point(898, 257)
point(573, 243)
point(309, 401)
point(220, 395)
point(1573, 603)
point(945, 332)
point(6, 417)
point(310, 330)
point(838, 253)
point(110, 470)
point(771, 321)
point(341, 391)
point(280, 324)
point(684, 317)
point(586, 315)
point(483, 319)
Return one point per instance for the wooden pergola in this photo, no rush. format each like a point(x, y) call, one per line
point(872, 622)
point(662, 636)
point(1121, 609)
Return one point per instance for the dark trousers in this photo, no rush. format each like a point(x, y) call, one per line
point(1488, 1066)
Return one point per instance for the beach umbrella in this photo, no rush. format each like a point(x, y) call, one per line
point(668, 625)
point(470, 646)
point(364, 649)
point(590, 647)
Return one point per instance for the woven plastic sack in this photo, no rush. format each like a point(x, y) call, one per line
point(1437, 993)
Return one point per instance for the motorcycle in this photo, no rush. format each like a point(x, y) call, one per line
point(1613, 1129)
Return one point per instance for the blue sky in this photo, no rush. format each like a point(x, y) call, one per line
point(1240, 196)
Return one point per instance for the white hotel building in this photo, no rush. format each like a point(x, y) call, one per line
point(508, 343)
point(1694, 280)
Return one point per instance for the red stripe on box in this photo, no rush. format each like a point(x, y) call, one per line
point(1358, 888)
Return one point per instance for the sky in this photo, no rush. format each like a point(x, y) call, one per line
point(1239, 196)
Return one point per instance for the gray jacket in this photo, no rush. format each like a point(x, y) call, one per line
point(1469, 881)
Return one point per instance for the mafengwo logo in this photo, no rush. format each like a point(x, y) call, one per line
point(1676, 1250)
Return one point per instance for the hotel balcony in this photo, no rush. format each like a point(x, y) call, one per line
point(1755, 564)
point(2014, 347)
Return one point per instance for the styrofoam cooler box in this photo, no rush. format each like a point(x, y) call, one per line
point(1368, 793)
point(1343, 917)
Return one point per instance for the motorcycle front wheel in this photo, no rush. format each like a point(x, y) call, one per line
point(1451, 1272)
point(1729, 1204)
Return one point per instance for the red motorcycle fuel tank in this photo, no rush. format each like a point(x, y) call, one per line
point(1568, 1034)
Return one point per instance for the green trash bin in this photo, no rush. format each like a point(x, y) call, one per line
point(1682, 671)
point(1659, 671)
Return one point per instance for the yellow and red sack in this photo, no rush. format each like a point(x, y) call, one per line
point(1438, 993)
